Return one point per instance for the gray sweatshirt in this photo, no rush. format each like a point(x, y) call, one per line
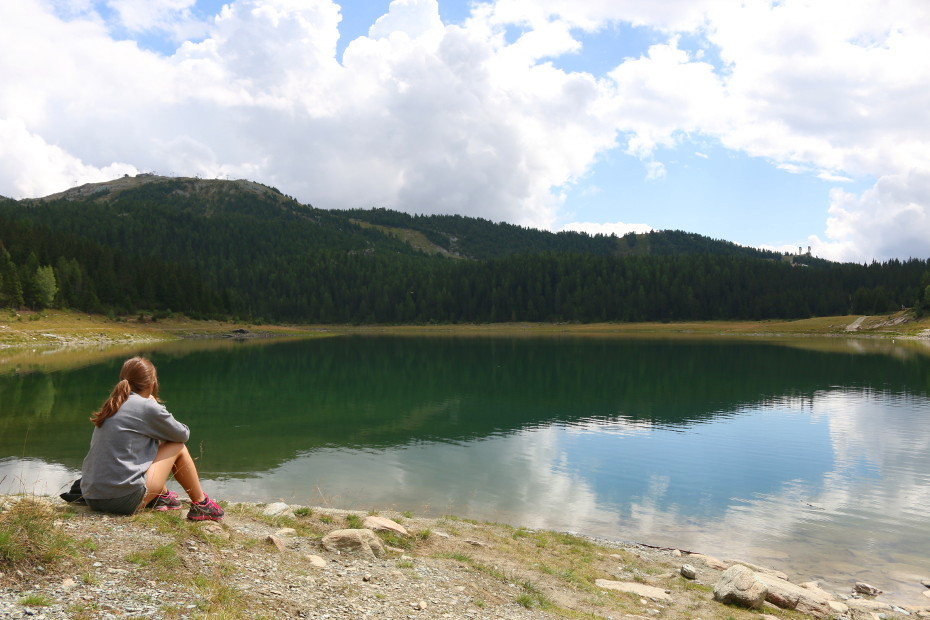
point(124, 446)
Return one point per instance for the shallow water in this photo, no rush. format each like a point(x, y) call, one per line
point(816, 462)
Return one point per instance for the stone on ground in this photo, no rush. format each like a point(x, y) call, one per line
point(740, 586)
point(711, 561)
point(362, 541)
point(276, 542)
point(787, 595)
point(631, 587)
point(316, 561)
point(864, 588)
point(278, 509)
point(383, 524)
point(688, 572)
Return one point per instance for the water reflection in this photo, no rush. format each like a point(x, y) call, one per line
point(815, 461)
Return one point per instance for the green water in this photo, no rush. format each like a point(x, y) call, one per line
point(815, 462)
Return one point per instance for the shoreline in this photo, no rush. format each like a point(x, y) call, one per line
point(68, 334)
point(280, 559)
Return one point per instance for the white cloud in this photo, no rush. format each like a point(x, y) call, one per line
point(890, 219)
point(608, 228)
point(432, 118)
point(836, 178)
point(142, 15)
point(655, 170)
point(23, 153)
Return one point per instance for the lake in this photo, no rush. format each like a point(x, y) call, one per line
point(811, 456)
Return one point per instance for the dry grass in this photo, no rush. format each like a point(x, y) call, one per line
point(29, 537)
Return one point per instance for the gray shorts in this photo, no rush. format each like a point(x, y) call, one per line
point(125, 505)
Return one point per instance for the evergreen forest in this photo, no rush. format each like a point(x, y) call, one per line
point(236, 249)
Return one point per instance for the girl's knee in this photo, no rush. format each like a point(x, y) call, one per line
point(170, 450)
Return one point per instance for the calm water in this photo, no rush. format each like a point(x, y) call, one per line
point(815, 462)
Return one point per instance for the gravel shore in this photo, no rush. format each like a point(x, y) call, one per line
point(280, 561)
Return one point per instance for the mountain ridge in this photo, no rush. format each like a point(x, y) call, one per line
point(240, 248)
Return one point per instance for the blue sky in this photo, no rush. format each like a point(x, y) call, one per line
point(773, 124)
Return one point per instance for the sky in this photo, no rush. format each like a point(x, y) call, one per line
point(771, 123)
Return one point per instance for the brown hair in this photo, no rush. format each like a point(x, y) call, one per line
point(137, 375)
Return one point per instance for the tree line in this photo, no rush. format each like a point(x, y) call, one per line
point(214, 251)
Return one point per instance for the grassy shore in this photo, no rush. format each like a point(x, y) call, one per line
point(58, 328)
point(67, 338)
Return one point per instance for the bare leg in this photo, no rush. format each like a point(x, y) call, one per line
point(172, 458)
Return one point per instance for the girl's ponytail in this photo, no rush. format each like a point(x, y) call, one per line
point(117, 397)
point(137, 374)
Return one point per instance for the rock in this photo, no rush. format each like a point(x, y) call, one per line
point(354, 541)
point(768, 617)
point(383, 524)
point(67, 584)
point(838, 608)
point(215, 529)
point(278, 509)
point(420, 605)
point(864, 588)
point(275, 541)
point(688, 572)
point(787, 595)
point(925, 583)
point(286, 532)
point(476, 543)
point(814, 587)
point(927, 593)
point(316, 561)
point(710, 561)
point(758, 569)
point(440, 534)
point(861, 604)
point(631, 587)
point(676, 553)
point(740, 586)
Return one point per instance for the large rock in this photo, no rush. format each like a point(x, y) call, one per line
point(760, 569)
point(383, 524)
point(631, 587)
point(362, 541)
point(740, 586)
point(787, 595)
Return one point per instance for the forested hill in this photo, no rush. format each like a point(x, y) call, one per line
point(481, 239)
point(245, 250)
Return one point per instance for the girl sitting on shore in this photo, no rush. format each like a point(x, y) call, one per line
point(136, 445)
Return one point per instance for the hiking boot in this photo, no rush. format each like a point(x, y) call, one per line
point(166, 501)
point(207, 510)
